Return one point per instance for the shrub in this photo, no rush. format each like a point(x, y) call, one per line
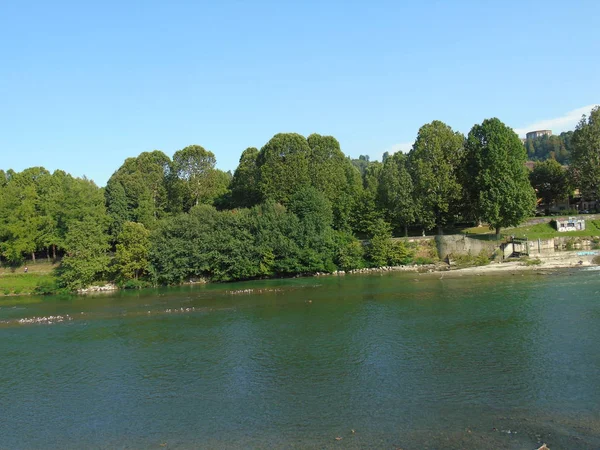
point(468, 260)
point(596, 260)
point(532, 262)
point(423, 260)
point(46, 287)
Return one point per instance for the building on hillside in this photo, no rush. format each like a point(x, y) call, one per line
point(538, 133)
point(570, 224)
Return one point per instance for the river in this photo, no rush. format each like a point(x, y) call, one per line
point(387, 360)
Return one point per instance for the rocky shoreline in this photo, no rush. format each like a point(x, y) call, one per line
point(561, 260)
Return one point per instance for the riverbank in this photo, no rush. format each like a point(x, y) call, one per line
point(550, 261)
point(18, 284)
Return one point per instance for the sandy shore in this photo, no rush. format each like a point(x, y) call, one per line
point(557, 260)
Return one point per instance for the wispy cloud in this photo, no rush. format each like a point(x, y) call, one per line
point(558, 124)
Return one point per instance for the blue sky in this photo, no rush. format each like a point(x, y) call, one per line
point(85, 85)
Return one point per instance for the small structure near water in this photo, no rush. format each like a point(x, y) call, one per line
point(570, 224)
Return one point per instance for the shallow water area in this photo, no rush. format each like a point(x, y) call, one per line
point(386, 360)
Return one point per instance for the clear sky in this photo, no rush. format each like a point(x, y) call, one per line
point(84, 85)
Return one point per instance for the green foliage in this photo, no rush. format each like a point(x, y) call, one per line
point(423, 260)
point(531, 261)
point(138, 190)
point(131, 257)
point(47, 287)
point(200, 181)
point(399, 254)
point(495, 176)
point(396, 195)
point(87, 260)
point(435, 160)
point(469, 260)
point(383, 251)
point(585, 165)
point(350, 252)
point(380, 243)
point(24, 283)
point(550, 181)
point(244, 185)
point(554, 147)
point(284, 166)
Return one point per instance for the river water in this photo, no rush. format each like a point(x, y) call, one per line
point(406, 361)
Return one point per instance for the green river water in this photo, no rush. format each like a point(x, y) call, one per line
point(406, 361)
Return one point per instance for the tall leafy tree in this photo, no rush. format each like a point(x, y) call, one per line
point(586, 155)
point(21, 214)
point(396, 192)
point(132, 249)
point(87, 259)
point(195, 167)
point(284, 166)
point(332, 174)
point(550, 181)
point(244, 185)
point(367, 210)
point(435, 161)
point(495, 175)
point(143, 192)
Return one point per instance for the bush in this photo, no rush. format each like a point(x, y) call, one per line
point(532, 262)
point(469, 260)
point(596, 260)
point(570, 243)
point(423, 260)
point(350, 252)
point(399, 254)
point(46, 287)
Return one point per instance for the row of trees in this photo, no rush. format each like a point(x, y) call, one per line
point(296, 205)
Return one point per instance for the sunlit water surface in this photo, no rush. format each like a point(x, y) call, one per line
point(406, 361)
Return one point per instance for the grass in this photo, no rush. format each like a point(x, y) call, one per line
point(541, 231)
point(14, 280)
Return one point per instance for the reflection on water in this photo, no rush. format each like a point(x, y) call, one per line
point(403, 360)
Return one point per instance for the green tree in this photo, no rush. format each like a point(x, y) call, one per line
point(333, 174)
point(143, 194)
point(21, 215)
point(367, 211)
point(195, 167)
point(435, 161)
point(87, 259)
point(396, 193)
point(314, 234)
point(382, 250)
point(284, 166)
point(549, 179)
point(132, 249)
point(586, 155)
point(244, 185)
point(495, 175)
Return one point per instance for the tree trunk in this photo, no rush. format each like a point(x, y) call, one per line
point(48, 253)
point(440, 230)
point(54, 252)
point(33, 256)
point(405, 230)
point(497, 232)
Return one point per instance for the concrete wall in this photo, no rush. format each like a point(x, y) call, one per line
point(457, 244)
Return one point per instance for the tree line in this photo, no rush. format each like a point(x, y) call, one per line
point(297, 205)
